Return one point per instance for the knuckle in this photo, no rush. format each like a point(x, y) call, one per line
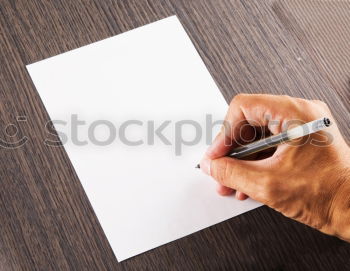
point(238, 98)
point(293, 101)
point(218, 170)
point(222, 171)
point(312, 107)
point(227, 171)
point(296, 104)
point(299, 103)
point(287, 97)
point(315, 108)
point(320, 103)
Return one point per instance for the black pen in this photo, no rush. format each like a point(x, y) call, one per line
point(286, 136)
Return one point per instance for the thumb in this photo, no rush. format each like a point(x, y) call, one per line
point(241, 175)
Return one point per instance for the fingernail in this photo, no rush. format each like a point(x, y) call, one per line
point(205, 165)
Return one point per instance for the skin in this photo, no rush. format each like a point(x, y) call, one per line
point(307, 180)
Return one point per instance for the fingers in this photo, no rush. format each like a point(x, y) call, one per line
point(220, 147)
point(226, 141)
point(241, 196)
point(244, 114)
point(226, 191)
point(223, 190)
point(243, 176)
point(266, 110)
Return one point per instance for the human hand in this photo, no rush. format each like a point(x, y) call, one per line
point(307, 180)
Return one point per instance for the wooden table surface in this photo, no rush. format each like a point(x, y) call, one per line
point(46, 220)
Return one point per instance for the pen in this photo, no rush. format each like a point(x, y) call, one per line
point(286, 136)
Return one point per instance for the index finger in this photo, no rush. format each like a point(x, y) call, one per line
point(244, 114)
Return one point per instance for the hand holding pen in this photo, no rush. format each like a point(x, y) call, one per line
point(308, 180)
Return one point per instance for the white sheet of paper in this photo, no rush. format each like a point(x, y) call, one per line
point(146, 195)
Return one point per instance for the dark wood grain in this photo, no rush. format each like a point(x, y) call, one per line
point(323, 28)
point(46, 220)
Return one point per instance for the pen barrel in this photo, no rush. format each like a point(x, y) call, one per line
point(272, 141)
point(260, 145)
point(308, 128)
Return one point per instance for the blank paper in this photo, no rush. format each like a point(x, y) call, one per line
point(144, 191)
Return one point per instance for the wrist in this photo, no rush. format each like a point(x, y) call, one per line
point(339, 219)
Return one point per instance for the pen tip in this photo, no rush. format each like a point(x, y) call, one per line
point(198, 166)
